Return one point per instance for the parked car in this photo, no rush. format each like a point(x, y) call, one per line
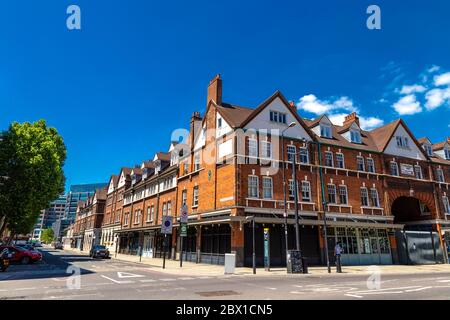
point(99, 251)
point(27, 247)
point(22, 255)
point(57, 245)
point(37, 244)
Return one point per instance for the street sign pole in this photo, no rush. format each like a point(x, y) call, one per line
point(181, 250)
point(183, 229)
point(164, 250)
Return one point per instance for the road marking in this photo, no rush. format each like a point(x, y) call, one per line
point(419, 289)
point(23, 289)
point(296, 292)
point(353, 295)
point(444, 281)
point(168, 279)
point(128, 275)
point(119, 282)
point(296, 285)
point(147, 280)
point(204, 277)
point(186, 278)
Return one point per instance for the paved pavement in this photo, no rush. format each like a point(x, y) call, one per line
point(56, 277)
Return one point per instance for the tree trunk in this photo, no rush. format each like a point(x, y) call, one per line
point(2, 226)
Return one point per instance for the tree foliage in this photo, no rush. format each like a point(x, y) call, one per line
point(47, 235)
point(32, 157)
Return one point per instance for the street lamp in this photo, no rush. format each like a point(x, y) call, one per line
point(292, 124)
point(324, 202)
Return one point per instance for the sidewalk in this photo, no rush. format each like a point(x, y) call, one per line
point(193, 269)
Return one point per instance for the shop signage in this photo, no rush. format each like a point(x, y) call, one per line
point(407, 169)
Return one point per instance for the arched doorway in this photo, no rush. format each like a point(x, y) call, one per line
point(409, 209)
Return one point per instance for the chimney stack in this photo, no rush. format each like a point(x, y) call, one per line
point(352, 117)
point(215, 90)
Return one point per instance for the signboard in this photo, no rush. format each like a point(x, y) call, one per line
point(184, 214)
point(166, 225)
point(266, 249)
point(407, 169)
point(183, 230)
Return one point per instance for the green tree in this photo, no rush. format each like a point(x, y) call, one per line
point(47, 235)
point(32, 157)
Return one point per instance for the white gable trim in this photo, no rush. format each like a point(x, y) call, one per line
point(262, 121)
point(412, 151)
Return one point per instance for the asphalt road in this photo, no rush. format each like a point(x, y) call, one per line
point(56, 277)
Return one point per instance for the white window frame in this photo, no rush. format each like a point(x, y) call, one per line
point(396, 168)
point(306, 189)
point(267, 184)
point(331, 187)
point(303, 152)
point(364, 193)
point(253, 182)
point(195, 196)
point(340, 155)
point(342, 187)
point(291, 154)
point(447, 154)
point(440, 175)
point(332, 160)
point(370, 165)
point(291, 189)
point(418, 172)
point(360, 160)
point(252, 146)
point(374, 191)
point(355, 134)
point(325, 130)
point(266, 146)
point(197, 160)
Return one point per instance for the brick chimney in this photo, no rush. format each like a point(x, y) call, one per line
point(352, 117)
point(215, 90)
point(196, 120)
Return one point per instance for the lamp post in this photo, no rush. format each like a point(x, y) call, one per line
point(324, 204)
point(292, 124)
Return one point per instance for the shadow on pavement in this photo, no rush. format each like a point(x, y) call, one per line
point(54, 264)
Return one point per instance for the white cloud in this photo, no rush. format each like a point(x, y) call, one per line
point(366, 123)
point(434, 69)
point(436, 98)
point(412, 89)
point(312, 104)
point(370, 122)
point(442, 79)
point(407, 105)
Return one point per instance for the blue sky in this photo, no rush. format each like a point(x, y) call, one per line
point(137, 69)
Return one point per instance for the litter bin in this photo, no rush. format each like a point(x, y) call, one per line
point(294, 261)
point(305, 265)
point(230, 263)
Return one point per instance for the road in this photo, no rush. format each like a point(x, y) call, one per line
point(53, 278)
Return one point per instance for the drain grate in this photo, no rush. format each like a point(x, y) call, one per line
point(217, 293)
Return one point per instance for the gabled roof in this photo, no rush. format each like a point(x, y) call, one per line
point(382, 135)
point(279, 95)
point(441, 145)
point(148, 164)
point(234, 115)
point(163, 156)
point(101, 194)
point(347, 126)
point(114, 178)
point(424, 140)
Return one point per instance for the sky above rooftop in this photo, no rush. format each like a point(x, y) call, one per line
point(117, 88)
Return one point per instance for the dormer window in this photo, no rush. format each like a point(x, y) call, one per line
point(219, 123)
point(325, 130)
point(133, 179)
point(355, 136)
point(428, 149)
point(279, 117)
point(402, 142)
point(447, 154)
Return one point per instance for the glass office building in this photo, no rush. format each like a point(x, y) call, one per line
point(76, 193)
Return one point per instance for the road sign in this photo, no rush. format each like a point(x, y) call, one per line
point(166, 226)
point(184, 214)
point(183, 231)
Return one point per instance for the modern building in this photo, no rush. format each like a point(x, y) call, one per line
point(79, 192)
point(88, 221)
point(49, 216)
point(237, 166)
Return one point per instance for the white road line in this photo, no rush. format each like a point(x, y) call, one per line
point(204, 277)
point(23, 289)
point(353, 295)
point(419, 289)
point(119, 282)
point(186, 278)
point(296, 292)
point(444, 281)
point(169, 279)
point(297, 286)
point(147, 280)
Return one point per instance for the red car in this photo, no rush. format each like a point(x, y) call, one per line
point(22, 255)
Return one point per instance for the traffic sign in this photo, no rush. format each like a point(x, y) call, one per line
point(183, 231)
point(166, 225)
point(184, 214)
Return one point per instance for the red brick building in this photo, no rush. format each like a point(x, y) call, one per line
point(229, 170)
